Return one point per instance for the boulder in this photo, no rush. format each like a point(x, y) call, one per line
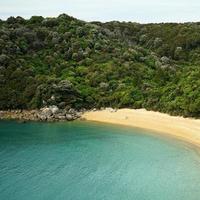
point(61, 117)
point(46, 111)
point(45, 114)
point(54, 109)
point(72, 111)
point(69, 117)
point(42, 117)
point(62, 105)
point(82, 110)
point(79, 114)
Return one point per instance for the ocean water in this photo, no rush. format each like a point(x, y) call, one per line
point(94, 161)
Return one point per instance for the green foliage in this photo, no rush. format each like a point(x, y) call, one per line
point(71, 63)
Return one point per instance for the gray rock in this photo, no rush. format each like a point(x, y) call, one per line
point(53, 98)
point(42, 117)
point(45, 114)
point(78, 114)
point(69, 117)
point(62, 105)
point(72, 111)
point(44, 103)
point(46, 111)
point(54, 109)
point(61, 117)
point(83, 110)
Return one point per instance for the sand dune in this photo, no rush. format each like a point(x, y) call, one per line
point(187, 129)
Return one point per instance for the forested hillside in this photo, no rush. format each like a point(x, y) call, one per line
point(71, 63)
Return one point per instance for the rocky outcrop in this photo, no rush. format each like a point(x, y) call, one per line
point(51, 113)
point(61, 93)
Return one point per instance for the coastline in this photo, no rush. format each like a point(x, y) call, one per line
point(185, 129)
point(49, 114)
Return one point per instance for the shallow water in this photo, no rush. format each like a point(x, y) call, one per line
point(91, 161)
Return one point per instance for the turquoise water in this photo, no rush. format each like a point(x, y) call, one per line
point(91, 161)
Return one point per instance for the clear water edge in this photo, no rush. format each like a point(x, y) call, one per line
point(153, 133)
point(82, 160)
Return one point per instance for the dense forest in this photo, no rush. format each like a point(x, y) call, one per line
point(67, 62)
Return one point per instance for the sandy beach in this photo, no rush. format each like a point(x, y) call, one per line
point(186, 129)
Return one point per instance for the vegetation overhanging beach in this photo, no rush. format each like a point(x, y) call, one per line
point(186, 129)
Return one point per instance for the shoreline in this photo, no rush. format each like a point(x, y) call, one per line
point(48, 114)
point(184, 129)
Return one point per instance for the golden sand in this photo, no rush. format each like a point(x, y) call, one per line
point(186, 129)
